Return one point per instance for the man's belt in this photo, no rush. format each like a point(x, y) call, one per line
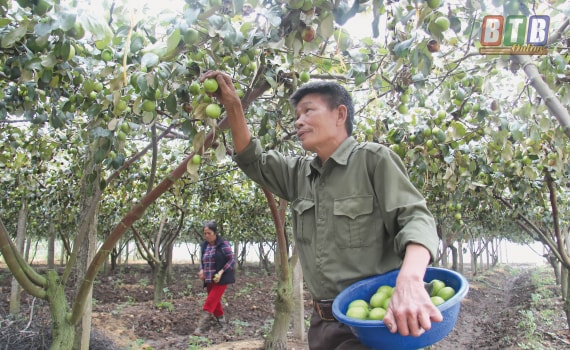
point(324, 309)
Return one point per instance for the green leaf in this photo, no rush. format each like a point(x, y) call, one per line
point(33, 64)
point(142, 83)
point(191, 15)
point(192, 170)
point(64, 20)
point(57, 120)
point(94, 110)
point(149, 59)
point(545, 124)
point(507, 152)
point(13, 36)
point(455, 24)
point(402, 49)
point(326, 28)
point(43, 29)
point(171, 104)
point(148, 117)
point(137, 43)
point(459, 129)
point(198, 141)
point(220, 153)
point(99, 28)
point(173, 41)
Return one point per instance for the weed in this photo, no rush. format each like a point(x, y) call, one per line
point(165, 305)
point(542, 310)
point(167, 293)
point(117, 283)
point(131, 300)
point(245, 290)
point(188, 290)
point(528, 323)
point(536, 298)
point(238, 326)
point(118, 309)
point(144, 282)
point(138, 344)
point(197, 343)
point(266, 328)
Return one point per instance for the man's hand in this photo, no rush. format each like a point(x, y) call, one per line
point(411, 311)
point(226, 93)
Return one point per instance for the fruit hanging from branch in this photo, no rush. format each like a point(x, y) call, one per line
point(308, 34)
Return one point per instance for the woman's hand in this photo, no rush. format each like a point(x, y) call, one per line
point(218, 275)
point(201, 274)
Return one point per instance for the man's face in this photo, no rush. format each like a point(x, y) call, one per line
point(316, 124)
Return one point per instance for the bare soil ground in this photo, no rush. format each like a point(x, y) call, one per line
point(493, 315)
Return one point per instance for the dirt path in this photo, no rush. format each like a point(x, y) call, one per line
point(125, 318)
point(486, 312)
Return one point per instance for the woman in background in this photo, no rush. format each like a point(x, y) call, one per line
point(217, 271)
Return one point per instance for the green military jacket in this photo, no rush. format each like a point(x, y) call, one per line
point(352, 216)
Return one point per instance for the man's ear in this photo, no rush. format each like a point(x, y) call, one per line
point(342, 114)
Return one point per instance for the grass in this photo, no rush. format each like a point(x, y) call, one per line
point(197, 343)
point(542, 314)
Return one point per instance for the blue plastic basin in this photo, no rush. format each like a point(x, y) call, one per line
point(375, 335)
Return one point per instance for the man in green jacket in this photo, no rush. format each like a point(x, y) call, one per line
point(355, 212)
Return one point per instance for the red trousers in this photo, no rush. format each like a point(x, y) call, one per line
point(213, 303)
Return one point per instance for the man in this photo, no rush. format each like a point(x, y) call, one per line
point(355, 212)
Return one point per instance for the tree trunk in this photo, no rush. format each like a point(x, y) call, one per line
point(236, 250)
point(566, 294)
point(160, 275)
point(86, 241)
point(453, 257)
point(86, 254)
point(16, 290)
point(564, 281)
point(51, 246)
point(126, 257)
point(460, 257)
point(277, 338)
point(444, 256)
point(63, 332)
point(114, 257)
point(62, 256)
point(556, 266)
point(169, 254)
point(28, 245)
point(298, 314)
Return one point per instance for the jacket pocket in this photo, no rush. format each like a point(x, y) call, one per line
point(304, 219)
point(353, 220)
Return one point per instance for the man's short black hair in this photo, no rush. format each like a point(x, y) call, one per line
point(333, 93)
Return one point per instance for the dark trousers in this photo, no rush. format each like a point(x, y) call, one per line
point(332, 335)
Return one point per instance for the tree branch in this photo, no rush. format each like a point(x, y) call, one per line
point(14, 261)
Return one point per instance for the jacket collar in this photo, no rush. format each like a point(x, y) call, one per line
point(340, 156)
